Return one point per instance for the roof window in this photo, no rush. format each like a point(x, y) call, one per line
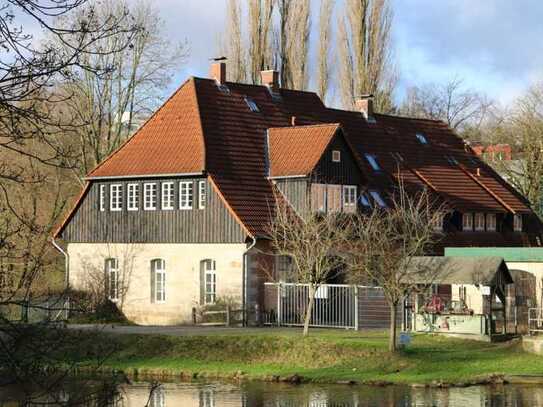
point(451, 160)
point(252, 104)
point(364, 200)
point(422, 138)
point(377, 198)
point(372, 160)
point(222, 87)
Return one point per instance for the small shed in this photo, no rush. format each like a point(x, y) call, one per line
point(477, 300)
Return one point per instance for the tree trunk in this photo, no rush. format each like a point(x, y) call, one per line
point(309, 310)
point(392, 333)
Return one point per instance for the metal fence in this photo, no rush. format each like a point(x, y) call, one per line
point(335, 306)
point(535, 320)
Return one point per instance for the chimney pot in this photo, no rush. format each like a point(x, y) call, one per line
point(218, 72)
point(270, 79)
point(364, 105)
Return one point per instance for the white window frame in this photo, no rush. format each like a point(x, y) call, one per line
point(517, 223)
point(210, 287)
point(467, 222)
point(336, 156)
point(133, 198)
point(116, 197)
point(377, 198)
point(185, 195)
point(491, 222)
point(111, 267)
point(202, 194)
point(372, 160)
point(349, 195)
point(477, 222)
point(158, 398)
point(438, 224)
point(150, 196)
point(168, 196)
point(102, 198)
point(158, 267)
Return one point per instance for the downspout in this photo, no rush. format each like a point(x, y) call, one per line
point(66, 262)
point(244, 282)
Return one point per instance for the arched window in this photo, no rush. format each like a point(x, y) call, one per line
point(158, 280)
point(111, 269)
point(208, 282)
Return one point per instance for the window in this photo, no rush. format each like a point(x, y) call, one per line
point(373, 162)
point(116, 197)
point(252, 105)
point(377, 198)
point(479, 222)
point(102, 199)
point(185, 195)
point(333, 198)
point(283, 265)
point(336, 156)
point(318, 197)
point(202, 194)
point(517, 223)
point(349, 197)
point(422, 138)
point(133, 197)
point(149, 196)
point(112, 278)
point(365, 201)
point(158, 280)
point(451, 160)
point(167, 195)
point(210, 282)
point(467, 221)
point(157, 398)
point(491, 222)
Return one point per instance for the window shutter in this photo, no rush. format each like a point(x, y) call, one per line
point(153, 285)
point(334, 198)
point(202, 282)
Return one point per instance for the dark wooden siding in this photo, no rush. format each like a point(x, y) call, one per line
point(345, 172)
point(296, 192)
point(214, 224)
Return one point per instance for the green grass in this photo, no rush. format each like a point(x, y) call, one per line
point(325, 356)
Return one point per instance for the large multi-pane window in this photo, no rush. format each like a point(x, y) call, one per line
point(185, 195)
point(167, 195)
point(102, 198)
point(202, 194)
point(349, 198)
point(116, 197)
point(149, 196)
point(210, 281)
point(133, 197)
point(491, 222)
point(158, 280)
point(479, 222)
point(112, 278)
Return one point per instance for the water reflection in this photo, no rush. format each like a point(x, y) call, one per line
point(282, 395)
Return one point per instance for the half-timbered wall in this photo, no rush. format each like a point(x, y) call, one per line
point(213, 224)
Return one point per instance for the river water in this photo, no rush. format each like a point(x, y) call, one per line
point(139, 394)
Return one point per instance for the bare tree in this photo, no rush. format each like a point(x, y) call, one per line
point(325, 38)
point(108, 107)
point(260, 36)
point(452, 102)
point(311, 241)
point(233, 46)
point(382, 245)
point(365, 52)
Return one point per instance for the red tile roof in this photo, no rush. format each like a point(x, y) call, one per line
point(205, 128)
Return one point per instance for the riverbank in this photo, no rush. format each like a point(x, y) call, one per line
point(326, 356)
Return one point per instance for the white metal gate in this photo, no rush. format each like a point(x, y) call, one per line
point(335, 306)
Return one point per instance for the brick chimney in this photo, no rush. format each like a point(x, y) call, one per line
point(217, 71)
point(364, 105)
point(270, 79)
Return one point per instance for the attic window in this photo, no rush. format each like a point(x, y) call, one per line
point(336, 156)
point(377, 198)
point(373, 162)
point(422, 138)
point(252, 105)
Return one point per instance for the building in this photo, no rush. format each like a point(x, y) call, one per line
point(175, 218)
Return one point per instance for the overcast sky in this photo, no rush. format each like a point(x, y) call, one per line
point(496, 46)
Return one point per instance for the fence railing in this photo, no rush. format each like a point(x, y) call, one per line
point(51, 309)
point(535, 320)
point(335, 305)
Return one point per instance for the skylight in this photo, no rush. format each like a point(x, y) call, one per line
point(373, 162)
point(364, 200)
point(422, 138)
point(451, 160)
point(252, 104)
point(377, 198)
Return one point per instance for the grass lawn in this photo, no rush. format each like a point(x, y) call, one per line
point(325, 356)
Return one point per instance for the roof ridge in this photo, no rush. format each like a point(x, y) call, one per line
point(124, 143)
point(305, 126)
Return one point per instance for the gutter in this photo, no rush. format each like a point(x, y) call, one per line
point(120, 177)
point(244, 278)
point(66, 262)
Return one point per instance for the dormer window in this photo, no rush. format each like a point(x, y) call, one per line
point(491, 222)
point(422, 138)
point(252, 105)
point(467, 222)
point(377, 198)
point(517, 223)
point(336, 156)
point(372, 160)
point(479, 222)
